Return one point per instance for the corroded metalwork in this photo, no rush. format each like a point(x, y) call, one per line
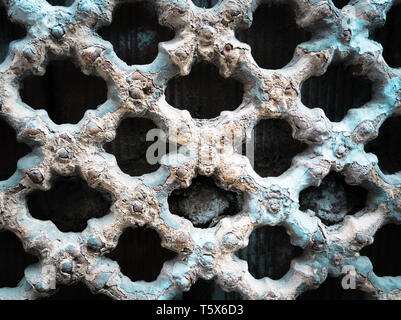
point(138, 91)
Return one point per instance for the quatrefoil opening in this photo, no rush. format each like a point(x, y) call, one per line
point(336, 91)
point(63, 91)
point(274, 147)
point(273, 35)
point(207, 93)
point(389, 36)
point(204, 203)
point(130, 147)
point(333, 199)
point(140, 254)
point(69, 204)
point(277, 252)
point(135, 33)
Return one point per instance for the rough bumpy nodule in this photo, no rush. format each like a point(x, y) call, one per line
point(138, 91)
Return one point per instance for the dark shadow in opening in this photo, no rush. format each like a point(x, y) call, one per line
point(9, 31)
point(69, 204)
point(77, 291)
point(390, 37)
point(273, 35)
point(333, 199)
point(130, 146)
point(336, 92)
point(387, 146)
point(274, 147)
point(205, 3)
point(135, 33)
point(269, 252)
point(64, 92)
point(208, 290)
point(207, 93)
point(331, 289)
point(13, 259)
point(384, 253)
point(64, 3)
point(204, 203)
point(340, 3)
point(140, 254)
point(11, 150)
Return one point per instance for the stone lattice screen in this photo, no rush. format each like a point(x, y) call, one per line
point(334, 145)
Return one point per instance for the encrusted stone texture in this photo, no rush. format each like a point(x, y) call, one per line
point(206, 35)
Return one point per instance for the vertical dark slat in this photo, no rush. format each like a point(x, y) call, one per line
point(336, 91)
point(140, 254)
point(274, 147)
point(390, 37)
point(130, 146)
point(11, 150)
point(332, 100)
point(204, 93)
point(9, 31)
point(13, 259)
point(130, 22)
point(386, 262)
point(64, 92)
point(387, 147)
point(273, 35)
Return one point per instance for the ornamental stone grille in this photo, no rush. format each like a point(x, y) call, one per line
point(204, 244)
